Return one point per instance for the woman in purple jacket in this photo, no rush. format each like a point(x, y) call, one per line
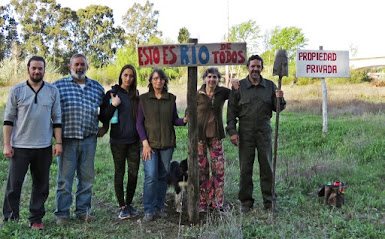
point(157, 115)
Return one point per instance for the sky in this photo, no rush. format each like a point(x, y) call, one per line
point(333, 24)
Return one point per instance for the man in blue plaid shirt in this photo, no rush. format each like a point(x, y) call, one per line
point(80, 98)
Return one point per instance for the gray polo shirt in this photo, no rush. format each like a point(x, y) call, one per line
point(32, 115)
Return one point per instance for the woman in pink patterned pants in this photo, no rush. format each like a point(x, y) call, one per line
point(211, 99)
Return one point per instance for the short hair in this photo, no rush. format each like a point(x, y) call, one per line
point(254, 57)
point(162, 76)
point(77, 55)
point(212, 70)
point(35, 58)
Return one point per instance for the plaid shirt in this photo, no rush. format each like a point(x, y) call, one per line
point(79, 107)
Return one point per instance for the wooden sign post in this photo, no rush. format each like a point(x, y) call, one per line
point(192, 55)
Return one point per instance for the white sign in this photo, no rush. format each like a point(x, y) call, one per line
point(320, 63)
point(228, 53)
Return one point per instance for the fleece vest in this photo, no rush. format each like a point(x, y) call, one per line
point(158, 119)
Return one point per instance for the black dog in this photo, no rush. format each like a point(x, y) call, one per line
point(177, 178)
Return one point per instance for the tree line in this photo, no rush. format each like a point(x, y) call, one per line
point(45, 28)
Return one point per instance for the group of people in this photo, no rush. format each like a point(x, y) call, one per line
point(140, 126)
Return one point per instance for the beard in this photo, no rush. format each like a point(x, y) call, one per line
point(36, 80)
point(79, 75)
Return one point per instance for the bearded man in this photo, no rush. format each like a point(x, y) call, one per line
point(32, 115)
point(80, 99)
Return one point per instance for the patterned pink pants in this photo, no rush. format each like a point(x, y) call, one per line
point(211, 186)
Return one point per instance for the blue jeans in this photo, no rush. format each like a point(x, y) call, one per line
point(78, 155)
point(155, 179)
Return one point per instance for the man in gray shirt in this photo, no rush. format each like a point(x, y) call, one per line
point(32, 115)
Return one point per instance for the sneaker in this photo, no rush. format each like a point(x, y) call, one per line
point(132, 211)
point(124, 213)
point(202, 208)
point(62, 221)
point(86, 218)
point(148, 217)
point(37, 225)
point(161, 213)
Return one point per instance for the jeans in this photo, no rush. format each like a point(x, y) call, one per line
point(78, 155)
point(155, 179)
point(39, 161)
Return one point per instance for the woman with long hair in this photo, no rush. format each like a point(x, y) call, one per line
point(123, 100)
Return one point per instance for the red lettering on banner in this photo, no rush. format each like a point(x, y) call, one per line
point(167, 50)
point(242, 58)
point(225, 46)
point(150, 54)
point(223, 57)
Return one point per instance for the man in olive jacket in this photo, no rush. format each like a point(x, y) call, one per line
point(252, 104)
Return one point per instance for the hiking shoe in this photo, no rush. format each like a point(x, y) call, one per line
point(245, 209)
point(202, 208)
point(132, 211)
point(37, 225)
point(269, 207)
point(161, 213)
point(86, 218)
point(62, 221)
point(148, 217)
point(124, 213)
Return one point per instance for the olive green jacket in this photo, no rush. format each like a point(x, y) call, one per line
point(252, 105)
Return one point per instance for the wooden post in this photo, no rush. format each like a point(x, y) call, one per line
point(324, 105)
point(193, 176)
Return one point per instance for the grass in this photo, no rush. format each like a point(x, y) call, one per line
point(353, 152)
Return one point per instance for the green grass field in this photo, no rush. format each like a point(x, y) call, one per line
point(353, 152)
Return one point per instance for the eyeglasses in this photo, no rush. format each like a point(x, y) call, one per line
point(157, 78)
point(214, 77)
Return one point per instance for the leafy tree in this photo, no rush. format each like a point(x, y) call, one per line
point(248, 32)
point(288, 38)
point(8, 32)
point(184, 35)
point(35, 18)
point(98, 38)
point(141, 23)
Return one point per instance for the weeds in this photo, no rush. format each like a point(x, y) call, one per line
point(352, 152)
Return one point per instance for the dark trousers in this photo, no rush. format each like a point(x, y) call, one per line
point(250, 140)
point(123, 153)
point(39, 161)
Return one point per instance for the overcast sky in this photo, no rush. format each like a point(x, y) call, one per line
point(334, 24)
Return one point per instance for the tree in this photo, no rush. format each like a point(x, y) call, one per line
point(35, 17)
point(246, 32)
point(9, 38)
point(141, 23)
point(98, 38)
point(184, 35)
point(288, 38)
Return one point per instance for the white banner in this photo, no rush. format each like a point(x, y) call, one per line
point(320, 63)
point(228, 53)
